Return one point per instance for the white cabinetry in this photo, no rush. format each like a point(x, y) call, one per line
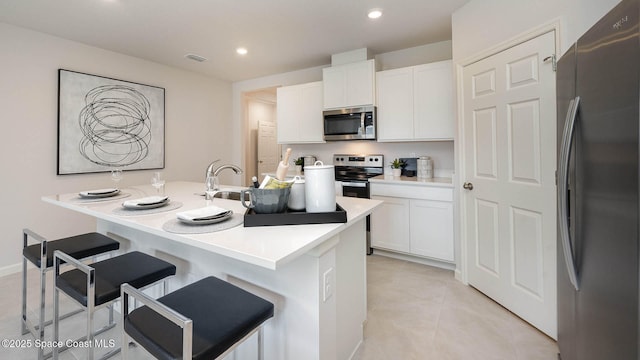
point(431, 229)
point(416, 103)
point(416, 220)
point(300, 114)
point(390, 224)
point(349, 85)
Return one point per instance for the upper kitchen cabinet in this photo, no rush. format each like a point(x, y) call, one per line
point(416, 103)
point(349, 85)
point(300, 114)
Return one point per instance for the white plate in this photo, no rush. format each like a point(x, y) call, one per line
point(150, 202)
point(205, 213)
point(208, 221)
point(100, 193)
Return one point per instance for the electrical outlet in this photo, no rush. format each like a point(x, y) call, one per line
point(327, 284)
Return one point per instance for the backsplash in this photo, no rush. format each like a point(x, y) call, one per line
point(440, 151)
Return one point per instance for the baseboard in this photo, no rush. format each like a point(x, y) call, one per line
point(10, 269)
point(415, 259)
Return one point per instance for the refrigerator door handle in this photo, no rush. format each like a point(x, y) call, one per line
point(563, 174)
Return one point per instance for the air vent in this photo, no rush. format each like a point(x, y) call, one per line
point(195, 57)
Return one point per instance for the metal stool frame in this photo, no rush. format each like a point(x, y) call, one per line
point(90, 308)
point(26, 325)
point(185, 323)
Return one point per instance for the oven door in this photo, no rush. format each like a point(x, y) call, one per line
point(359, 189)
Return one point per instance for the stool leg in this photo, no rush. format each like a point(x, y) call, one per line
point(56, 320)
point(91, 297)
point(124, 337)
point(43, 286)
point(24, 296)
point(260, 344)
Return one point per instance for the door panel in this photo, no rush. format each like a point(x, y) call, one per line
point(509, 156)
point(268, 148)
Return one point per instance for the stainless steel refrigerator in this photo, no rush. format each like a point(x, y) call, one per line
point(598, 170)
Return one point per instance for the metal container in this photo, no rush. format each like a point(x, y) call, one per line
point(297, 195)
point(309, 160)
point(265, 201)
point(320, 188)
point(424, 167)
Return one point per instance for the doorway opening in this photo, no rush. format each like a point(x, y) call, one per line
point(262, 151)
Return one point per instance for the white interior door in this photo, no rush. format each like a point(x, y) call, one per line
point(268, 148)
point(509, 157)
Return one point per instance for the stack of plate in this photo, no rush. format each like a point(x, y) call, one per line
point(205, 215)
point(100, 193)
point(150, 202)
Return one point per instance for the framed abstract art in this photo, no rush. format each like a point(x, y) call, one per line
point(106, 123)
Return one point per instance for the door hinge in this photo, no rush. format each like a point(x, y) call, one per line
point(554, 62)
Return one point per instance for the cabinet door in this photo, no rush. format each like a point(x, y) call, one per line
point(335, 87)
point(360, 83)
point(433, 101)
point(349, 85)
point(390, 224)
point(432, 229)
point(288, 98)
point(310, 122)
point(395, 104)
point(300, 114)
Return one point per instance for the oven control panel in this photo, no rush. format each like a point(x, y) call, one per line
point(358, 160)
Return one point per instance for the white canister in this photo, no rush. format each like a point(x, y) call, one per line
point(319, 189)
point(297, 195)
point(424, 167)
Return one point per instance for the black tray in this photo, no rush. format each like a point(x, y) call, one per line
point(290, 217)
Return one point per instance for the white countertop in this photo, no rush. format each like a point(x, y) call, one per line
point(414, 181)
point(266, 246)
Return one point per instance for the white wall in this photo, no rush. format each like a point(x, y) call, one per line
point(198, 121)
point(483, 24)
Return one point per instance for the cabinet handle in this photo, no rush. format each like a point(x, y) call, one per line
point(468, 186)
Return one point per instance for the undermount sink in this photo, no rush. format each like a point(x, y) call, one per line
point(229, 195)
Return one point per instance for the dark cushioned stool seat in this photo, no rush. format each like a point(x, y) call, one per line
point(222, 314)
point(135, 268)
point(79, 247)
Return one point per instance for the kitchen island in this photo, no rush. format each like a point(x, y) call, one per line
point(315, 275)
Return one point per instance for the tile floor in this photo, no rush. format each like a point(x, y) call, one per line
point(414, 312)
point(421, 312)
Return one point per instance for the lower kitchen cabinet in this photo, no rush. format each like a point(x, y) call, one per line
point(420, 225)
point(390, 224)
point(431, 229)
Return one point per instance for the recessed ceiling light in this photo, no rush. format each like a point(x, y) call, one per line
point(241, 51)
point(374, 13)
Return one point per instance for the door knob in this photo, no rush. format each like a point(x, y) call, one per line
point(260, 161)
point(468, 186)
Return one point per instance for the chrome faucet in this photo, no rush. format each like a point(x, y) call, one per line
point(210, 169)
point(215, 172)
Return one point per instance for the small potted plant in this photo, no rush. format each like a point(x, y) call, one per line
point(298, 162)
point(396, 167)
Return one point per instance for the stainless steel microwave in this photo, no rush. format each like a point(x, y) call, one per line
point(350, 124)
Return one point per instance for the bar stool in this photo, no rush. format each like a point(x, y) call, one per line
point(204, 320)
point(41, 256)
point(96, 286)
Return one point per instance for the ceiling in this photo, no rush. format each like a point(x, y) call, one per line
point(280, 35)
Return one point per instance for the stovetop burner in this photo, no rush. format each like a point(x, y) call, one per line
point(357, 167)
